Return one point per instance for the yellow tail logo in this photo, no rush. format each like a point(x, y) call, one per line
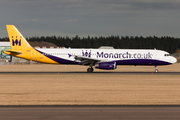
point(16, 39)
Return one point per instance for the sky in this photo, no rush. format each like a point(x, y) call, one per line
point(91, 17)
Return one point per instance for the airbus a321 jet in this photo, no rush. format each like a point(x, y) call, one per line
point(106, 59)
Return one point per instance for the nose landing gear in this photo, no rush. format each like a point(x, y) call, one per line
point(156, 69)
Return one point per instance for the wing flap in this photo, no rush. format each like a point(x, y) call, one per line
point(86, 60)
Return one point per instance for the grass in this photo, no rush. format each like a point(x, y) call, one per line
point(83, 89)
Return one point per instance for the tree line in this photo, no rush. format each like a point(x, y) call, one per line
point(169, 44)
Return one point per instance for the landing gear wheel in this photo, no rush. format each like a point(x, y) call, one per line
point(156, 69)
point(90, 70)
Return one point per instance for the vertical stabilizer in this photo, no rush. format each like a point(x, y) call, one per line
point(16, 39)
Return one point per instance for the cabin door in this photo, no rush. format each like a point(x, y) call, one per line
point(33, 55)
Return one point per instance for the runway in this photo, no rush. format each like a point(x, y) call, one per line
point(90, 112)
point(94, 73)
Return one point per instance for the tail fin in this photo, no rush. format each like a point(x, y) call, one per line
point(16, 39)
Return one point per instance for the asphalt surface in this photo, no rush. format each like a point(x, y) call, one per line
point(120, 73)
point(89, 112)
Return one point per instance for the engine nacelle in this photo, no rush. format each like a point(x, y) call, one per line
point(106, 65)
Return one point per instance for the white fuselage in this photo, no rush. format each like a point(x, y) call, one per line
point(120, 56)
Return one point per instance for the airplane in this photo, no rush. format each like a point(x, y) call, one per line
point(106, 59)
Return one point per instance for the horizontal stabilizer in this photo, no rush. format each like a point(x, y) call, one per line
point(13, 52)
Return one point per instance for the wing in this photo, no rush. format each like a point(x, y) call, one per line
point(86, 60)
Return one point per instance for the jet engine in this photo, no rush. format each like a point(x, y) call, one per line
point(106, 65)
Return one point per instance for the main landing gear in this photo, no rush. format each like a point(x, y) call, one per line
point(90, 70)
point(156, 69)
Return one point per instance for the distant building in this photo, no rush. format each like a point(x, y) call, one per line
point(106, 47)
point(4, 57)
point(4, 46)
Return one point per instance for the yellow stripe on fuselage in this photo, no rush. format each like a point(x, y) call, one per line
point(32, 55)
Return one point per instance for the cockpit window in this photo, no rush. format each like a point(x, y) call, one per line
point(166, 55)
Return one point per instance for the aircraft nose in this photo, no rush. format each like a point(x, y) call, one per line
point(173, 60)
